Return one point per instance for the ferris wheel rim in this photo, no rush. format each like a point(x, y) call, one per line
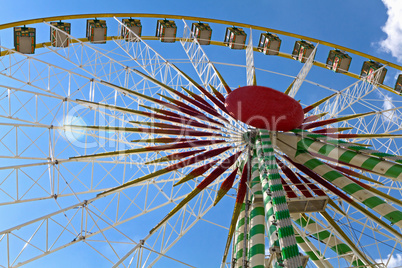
point(220, 43)
point(225, 22)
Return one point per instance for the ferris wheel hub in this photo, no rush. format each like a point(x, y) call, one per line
point(265, 108)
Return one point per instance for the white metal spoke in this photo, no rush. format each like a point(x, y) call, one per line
point(200, 61)
point(303, 73)
point(250, 60)
point(205, 69)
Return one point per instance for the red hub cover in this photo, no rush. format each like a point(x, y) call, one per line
point(264, 107)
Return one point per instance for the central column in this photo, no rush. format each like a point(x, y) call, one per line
point(256, 253)
point(275, 196)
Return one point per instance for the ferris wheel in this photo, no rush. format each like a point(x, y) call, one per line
point(205, 143)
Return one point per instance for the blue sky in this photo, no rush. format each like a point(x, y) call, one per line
point(359, 24)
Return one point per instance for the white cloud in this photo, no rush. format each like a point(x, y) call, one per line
point(394, 262)
point(387, 105)
point(393, 28)
point(388, 116)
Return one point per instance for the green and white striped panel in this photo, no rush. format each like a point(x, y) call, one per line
point(351, 146)
point(340, 181)
point(304, 243)
point(256, 252)
point(379, 166)
point(270, 179)
point(377, 153)
point(327, 238)
point(239, 238)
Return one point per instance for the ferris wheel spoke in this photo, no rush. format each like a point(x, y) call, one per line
point(303, 73)
point(217, 172)
point(184, 163)
point(208, 109)
point(241, 193)
point(250, 67)
point(205, 69)
point(177, 108)
point(170, 118)
point(333, 120)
